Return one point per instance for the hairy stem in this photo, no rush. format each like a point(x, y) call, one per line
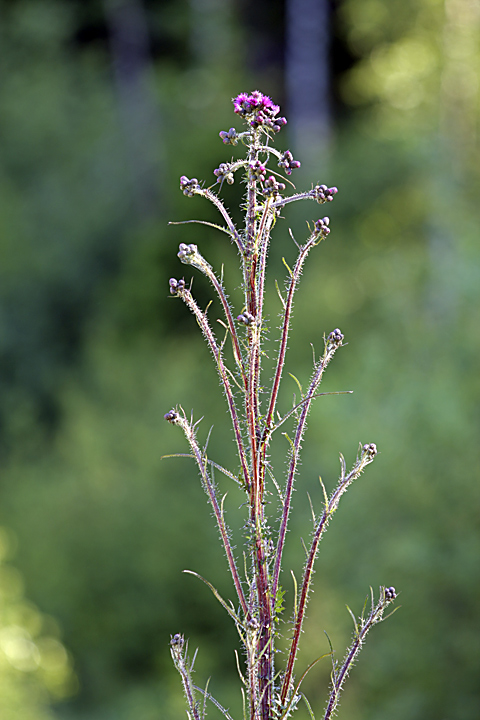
point(207, 331)
point(315, 382)
point(330, 508)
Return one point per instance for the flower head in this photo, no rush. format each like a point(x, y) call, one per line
point(258, 110)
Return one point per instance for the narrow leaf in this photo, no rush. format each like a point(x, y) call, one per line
point(222, 602)
point(295, 594)
point(203, 222)
point(285, 263)
point(325, 496)
point(240, 674)
point(314, 519)
point(354, 620)
point(210, 697)
point(189, 455)
point(280, 295)
point(298, 384)
point(310, 711)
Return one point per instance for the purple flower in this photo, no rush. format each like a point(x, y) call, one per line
point(259, 111)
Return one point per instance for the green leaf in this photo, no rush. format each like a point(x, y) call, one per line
point(285, 263)
point(222, 602)
point(298, 383)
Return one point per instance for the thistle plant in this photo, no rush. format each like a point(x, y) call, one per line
point(270, 688)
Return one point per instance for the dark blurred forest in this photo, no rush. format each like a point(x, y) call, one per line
point(103, 105)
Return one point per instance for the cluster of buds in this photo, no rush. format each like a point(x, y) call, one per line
point(321, 227)
point(173, 417)
point(245, 318)
point(189, 187)
point(272, 188)
point(288, 163)
point(186, 252)
point(259, 171)
point(369, 451)
point(390, 594)
point(322, 193)
point(176, 286)
point(258, 110)
point(224, 172)
point(230, 137)
point(335, 339)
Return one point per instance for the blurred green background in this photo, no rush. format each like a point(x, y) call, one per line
point(103, 105)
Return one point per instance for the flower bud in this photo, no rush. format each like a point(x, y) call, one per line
point(272, 187)
point(230, 137)
point(185, 252)
point(259, 171)
point(189, 187)
point(335, 339)
point(287, 162)
point(369, 451)
point(177, 641)
point(223, 172)
point(322, 193)
point(172, 417)
point(176, 286)
point(246, 318)
point(321, 227)
point(390, 593)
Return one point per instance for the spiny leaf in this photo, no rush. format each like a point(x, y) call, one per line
point(290, 441)
point(210, 697)
point(325, 496)
point(354, 620)
point(298, 384)
point(297, 687)
point(222, 602)
point(314, 519)
point(277, 487)
point(310, 711)
point(286, 265)
point(295, 594)
point(240, 674)
point(293, 238)
point(280, 295)
point(244, 705)
point(391, 613)
point(188, 455)
point(203, 222)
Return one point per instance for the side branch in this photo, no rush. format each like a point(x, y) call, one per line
point(367, 455)
point(387, 595)
point(188, 299)
point(334, 341)
point(320, 193)
point(295, 276)
point(189, 255)
point(176, 419)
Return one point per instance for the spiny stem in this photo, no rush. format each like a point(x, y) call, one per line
point(210, 489)
point(366, 457)
point(207, 331)
point(315, 382)
point(387, 595)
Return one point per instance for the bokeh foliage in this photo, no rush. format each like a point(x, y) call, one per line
point(93, 352)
